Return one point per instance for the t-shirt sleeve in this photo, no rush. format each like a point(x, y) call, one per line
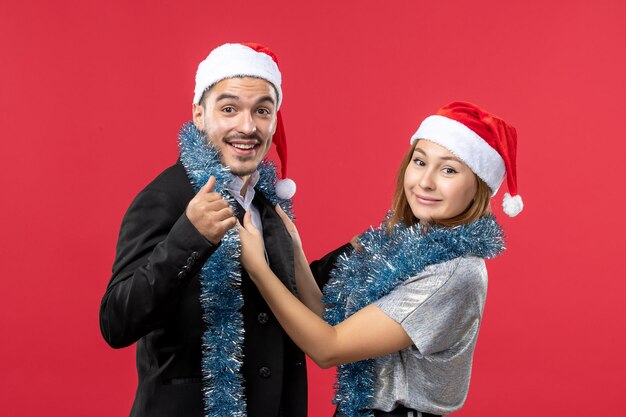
point(441, 306)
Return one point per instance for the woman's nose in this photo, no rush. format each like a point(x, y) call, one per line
point(427, 181)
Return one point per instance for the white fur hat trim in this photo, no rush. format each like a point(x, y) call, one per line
point(236, 60)
point(285, 188)
point(512, 206)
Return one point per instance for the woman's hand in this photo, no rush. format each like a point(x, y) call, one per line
point(291, 228)
point(252, 247)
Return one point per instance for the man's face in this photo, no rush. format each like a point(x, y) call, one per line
point(239, 119)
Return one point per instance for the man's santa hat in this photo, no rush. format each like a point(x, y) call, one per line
point(248, 60)
point(486, 143)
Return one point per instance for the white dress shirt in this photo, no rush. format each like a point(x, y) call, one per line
point(234, 187)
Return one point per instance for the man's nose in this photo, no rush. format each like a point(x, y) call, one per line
point(247, 125)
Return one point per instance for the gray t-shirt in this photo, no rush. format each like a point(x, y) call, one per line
point(440, 309)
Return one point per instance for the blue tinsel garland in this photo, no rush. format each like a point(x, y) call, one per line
point(222, 341)
point(388, 258)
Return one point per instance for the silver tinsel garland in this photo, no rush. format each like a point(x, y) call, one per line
point(220, 280)
point(386, 259)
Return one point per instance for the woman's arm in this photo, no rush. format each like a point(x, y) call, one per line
point(308, 290)
point(367, 334)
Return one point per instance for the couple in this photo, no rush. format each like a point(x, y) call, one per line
point(211, 281)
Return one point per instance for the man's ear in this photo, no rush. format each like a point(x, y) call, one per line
point(198, 116)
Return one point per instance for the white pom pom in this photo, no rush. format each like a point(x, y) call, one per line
point(512, 206)
point(285, 189)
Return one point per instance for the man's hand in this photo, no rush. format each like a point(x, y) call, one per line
point(210, 213)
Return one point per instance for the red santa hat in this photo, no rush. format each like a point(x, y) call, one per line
point(486, 143)
point(248, 60)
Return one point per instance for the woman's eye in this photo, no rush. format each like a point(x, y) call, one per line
point(419, 162)
point(449, 171)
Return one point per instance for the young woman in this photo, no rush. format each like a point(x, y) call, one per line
point(402, 311)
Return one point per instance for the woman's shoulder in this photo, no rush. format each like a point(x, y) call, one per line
point(470, 271)
point(440, 295)
point(468, 264)
point(464, 270)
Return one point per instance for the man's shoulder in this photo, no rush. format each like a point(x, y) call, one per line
point(173, 178)
point(171, 186)
point(174, 175)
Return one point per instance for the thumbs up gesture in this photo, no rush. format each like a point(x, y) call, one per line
point(210, 214)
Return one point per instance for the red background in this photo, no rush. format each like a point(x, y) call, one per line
point(92, 95)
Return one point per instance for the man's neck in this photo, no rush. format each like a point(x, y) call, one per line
point(240, 184)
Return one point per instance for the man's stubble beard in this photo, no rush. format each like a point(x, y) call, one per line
point(242, 173)
point(234, 171)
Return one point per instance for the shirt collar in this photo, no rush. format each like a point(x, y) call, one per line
point(235, 185)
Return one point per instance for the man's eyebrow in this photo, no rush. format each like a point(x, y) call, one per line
point(226, 96)
point(266, 98)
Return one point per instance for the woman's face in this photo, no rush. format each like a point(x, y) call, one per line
point(437, 184)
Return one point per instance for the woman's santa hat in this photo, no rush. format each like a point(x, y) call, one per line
point(486, 143)
point(248, 60)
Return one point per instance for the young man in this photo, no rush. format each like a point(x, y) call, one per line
point(207, 343)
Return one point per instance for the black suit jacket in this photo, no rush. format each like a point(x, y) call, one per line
point(153, 299)
point(323, 267)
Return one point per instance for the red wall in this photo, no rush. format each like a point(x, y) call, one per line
point(92, 94)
